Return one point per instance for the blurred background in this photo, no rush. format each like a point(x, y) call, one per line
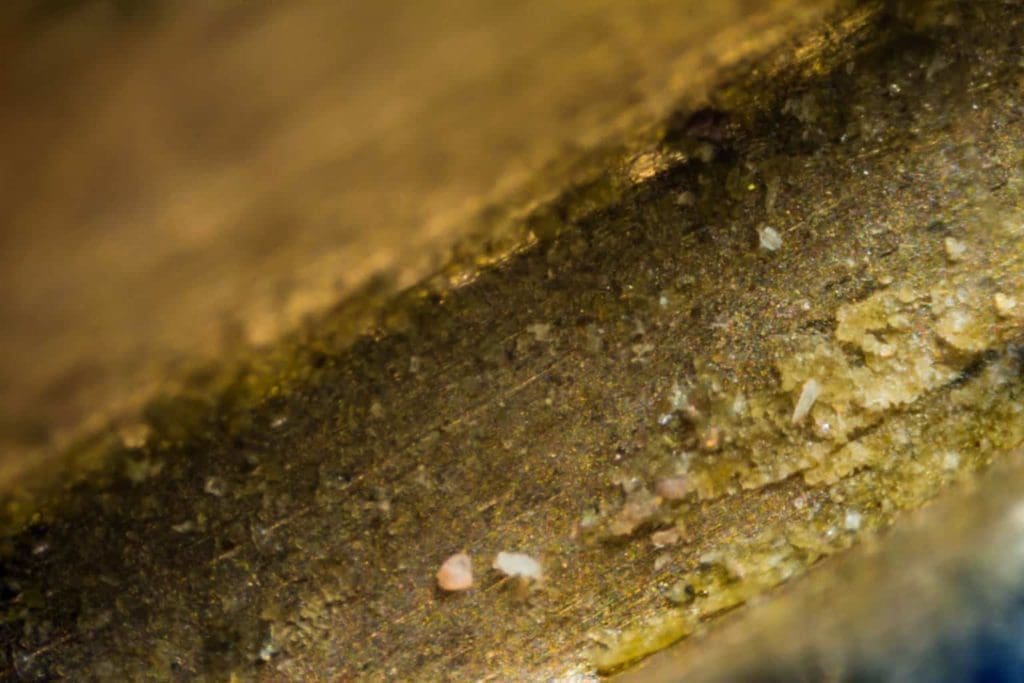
point(181, 177)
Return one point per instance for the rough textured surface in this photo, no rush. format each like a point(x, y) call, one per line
point(284, 516)
point(940, 600)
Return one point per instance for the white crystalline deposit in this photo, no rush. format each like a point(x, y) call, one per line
point(518, 564)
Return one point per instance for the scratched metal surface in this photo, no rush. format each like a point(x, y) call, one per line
point(282, 517)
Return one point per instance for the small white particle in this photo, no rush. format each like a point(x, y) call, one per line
point(739, 405)
point(518, 564)
point(808, 395)
point(951, 460)
point(1005, 305)
point(852, 520)
point(769, 238)
point(955, 249)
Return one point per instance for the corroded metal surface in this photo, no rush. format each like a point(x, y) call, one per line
point(671, 407)
point(939, 600)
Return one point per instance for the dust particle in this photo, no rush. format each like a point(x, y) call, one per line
point(955, 249)
point(769, 239)
point(1005, 305)
point(518, 564)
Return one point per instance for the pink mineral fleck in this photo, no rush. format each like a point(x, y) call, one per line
point(456, 574)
